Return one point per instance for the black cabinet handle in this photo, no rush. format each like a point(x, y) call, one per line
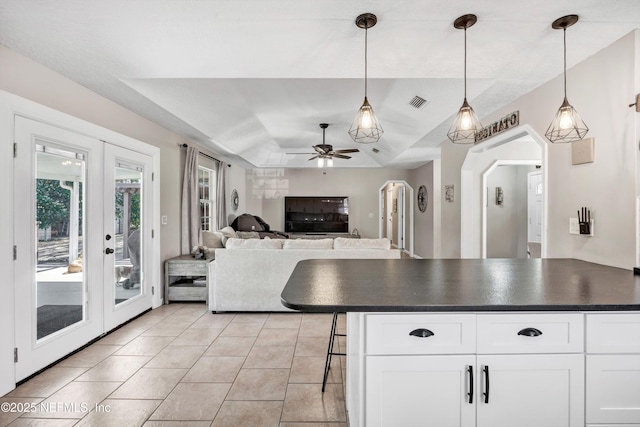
point(470, 393)
point(530, 332)
point(485, 369)
point(421, 333)
point(108, 251)
point(108, 237)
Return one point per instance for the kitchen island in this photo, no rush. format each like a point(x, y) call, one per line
point(551, 342)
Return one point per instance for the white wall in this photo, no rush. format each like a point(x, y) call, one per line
point(427, 223)
point(600, 88)
point(361, 185)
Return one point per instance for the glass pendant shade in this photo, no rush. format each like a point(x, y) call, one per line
point(365, 128)
point(567, 126)
point(330, 162)
point(464, 127)
point(320, 162)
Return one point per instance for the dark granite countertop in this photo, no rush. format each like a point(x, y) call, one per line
point(370, 285)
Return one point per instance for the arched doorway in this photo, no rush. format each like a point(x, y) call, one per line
point(519, 144)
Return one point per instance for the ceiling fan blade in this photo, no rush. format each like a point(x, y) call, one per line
point(341, 156)
point(314, 157)
point(348, 150)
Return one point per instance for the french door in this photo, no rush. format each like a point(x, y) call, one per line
point(68, 275)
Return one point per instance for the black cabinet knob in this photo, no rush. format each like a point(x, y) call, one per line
point(421, 333)
point(530, 332)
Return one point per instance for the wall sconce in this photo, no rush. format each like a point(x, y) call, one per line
point(636, 104)
point(499, 196)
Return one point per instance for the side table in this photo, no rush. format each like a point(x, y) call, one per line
point(186, 279)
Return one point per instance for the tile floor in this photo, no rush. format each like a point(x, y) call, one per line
point(181, 365)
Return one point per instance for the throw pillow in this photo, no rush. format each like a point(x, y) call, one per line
point(212, 239)
point(254, 244)
point(247, 234)
point(227, 233)
point(308, 244)
point(346, 243)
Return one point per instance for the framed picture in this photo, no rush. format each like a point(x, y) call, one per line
point(448, 193)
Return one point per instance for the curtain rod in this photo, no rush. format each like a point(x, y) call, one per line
point(204, 154)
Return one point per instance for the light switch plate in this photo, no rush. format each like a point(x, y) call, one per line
point(574, 226)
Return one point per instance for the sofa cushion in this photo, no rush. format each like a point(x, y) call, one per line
point(308, 244)
point(347, 243)
point(227, 233)
point(247, 234)
point(212, 239)
point(254, 244)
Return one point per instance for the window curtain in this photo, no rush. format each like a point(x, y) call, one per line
point(190, 235)
point(221, 204)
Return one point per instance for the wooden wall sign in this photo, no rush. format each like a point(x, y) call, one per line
point(507, 122)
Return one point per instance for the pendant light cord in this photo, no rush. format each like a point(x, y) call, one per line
point(564, 33)
point(465, 62)
point(366, 32)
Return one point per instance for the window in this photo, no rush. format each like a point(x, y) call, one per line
point(207, 196)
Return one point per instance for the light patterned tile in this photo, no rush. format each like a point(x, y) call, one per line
point(192, 402)
point(47, 383)
point(74, 400)
point(277, 337)
point(307, 403)
point(310, 370)
point(254, 414)
point(197, 336)
point(90, 356)
point(150, 384)
point(177, 356)
point(284, 321)
point(242, 329)
point(214, 370)
point(114, 412)
point(259, 384)
point(230, 346)
point(115, 368)
point(144, 346)
point(270, 357)
point(16, 407)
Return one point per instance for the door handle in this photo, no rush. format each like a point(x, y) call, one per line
point(109, 251)
point(470, 393)
point(108, 237)
point(485, 369)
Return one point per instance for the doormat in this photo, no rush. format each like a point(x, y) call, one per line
point(52, 318)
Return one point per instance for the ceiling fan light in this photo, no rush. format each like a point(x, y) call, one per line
point(465, 125)
point(320, 162)
point(365, 128)
point(567, 125)
point(330, 162)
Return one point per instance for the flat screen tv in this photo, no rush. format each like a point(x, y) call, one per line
point(316, 215)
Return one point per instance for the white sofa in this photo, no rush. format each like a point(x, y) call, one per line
point(250, 274)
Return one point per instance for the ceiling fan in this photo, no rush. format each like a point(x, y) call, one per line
point(326, 151)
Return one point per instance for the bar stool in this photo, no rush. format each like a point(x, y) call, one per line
point(330, 351)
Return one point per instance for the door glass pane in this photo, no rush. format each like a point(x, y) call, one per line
point(60, 177)
point(128, 242)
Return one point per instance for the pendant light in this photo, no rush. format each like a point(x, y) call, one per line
point(567, 126)
point(365, 127)
point(466, 124)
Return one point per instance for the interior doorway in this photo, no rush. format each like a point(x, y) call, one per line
point(396, 222)
point(507, 221)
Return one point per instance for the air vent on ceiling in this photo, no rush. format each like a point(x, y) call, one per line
point(375, 150)
point(418, 102)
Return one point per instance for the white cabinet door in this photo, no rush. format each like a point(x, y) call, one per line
point(613, 389)
point(531, 390)
point(425, 391)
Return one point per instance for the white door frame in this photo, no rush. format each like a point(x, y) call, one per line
point(470, 212)
point(381, 224)
point(10, 106)
point(485, 200)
